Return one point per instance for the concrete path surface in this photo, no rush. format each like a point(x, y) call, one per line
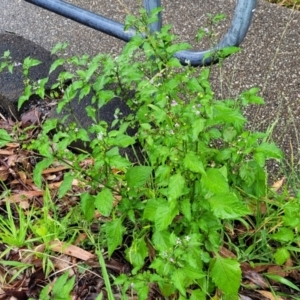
point(270, 56)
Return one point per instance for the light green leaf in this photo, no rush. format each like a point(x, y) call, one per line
point(137, 176)
point(176, 185)
point(227, 206)
point(226, 274)
point(39, 168)
point(164, 216)
point(198, 295)
point(197, 127)
point(4, 137)
point(122, 140)
point(66, 184)
point(87, 204)
point(161, 240)
point(281, 256)
point(185, 208)
point(193, 163)
point(57, 63)
point(114, 234)
point(270, 150)
point(179, 278)
point(151, 208)
point(104, 202)
point(284, 234)
point(215, 182)
point(137, 253)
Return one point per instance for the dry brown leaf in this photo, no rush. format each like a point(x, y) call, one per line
point(12, 145)
point(31, 117)
point(3, 173)
point(256, 278)
point(22, 195)
point(22, 176)
point(71, 250)
point(269, 295)
point(277, 270)
point(56, 169)
point(226, 253)
point(6, 152)
point(277, 185)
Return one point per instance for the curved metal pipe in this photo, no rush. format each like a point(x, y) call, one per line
point(240, 24)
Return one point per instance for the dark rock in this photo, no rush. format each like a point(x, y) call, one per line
point(12, 85)
point(75, 110)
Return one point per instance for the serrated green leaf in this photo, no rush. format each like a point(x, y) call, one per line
point(161, 240)
point(114, 234)
point(215, 182)
point(260, 158)
point(193, 163)
point(270, 150)
point(178, 279)
point(176, 186)
point(56, 64)
point(122, 140)
point(164, 216)
point(4, 137)
point(137, 176)
point(104, 202)
point(284, 234)
point(227, 275)
point(26, 95)
point(30, 62)
point(281, 256)
point(198, 295)
point(87, 204)
point(185, 208)
point(151, 208)
point(66, 184)
point(137, 253)
point(197, 127)
point(227, 206)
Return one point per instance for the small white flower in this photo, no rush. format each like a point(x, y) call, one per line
point(178, 241)
point(187, 238)
point(174, 103)
point(172, 131)
point(16, 64)
point(172, 260)
point(76, 129)
point(197, 112)
point(176, 125)
point(100, 136)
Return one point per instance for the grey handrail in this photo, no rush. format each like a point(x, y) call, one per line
point(240, 24)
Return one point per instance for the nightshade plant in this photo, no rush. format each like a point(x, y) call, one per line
point(199, 166)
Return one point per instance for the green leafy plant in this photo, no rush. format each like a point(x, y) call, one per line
point(201, 167)
point(60, 290)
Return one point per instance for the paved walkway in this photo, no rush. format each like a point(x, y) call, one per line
point(270, 57)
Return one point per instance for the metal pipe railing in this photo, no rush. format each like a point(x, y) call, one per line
point(240, 24)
